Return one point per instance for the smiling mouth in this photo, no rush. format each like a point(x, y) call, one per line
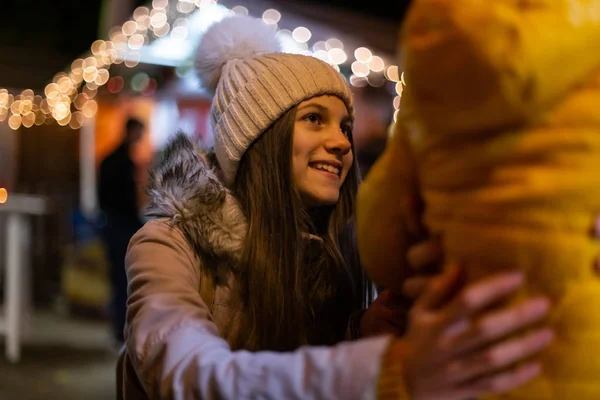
point(326, 168)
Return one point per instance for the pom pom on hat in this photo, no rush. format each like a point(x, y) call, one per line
point(235, 37)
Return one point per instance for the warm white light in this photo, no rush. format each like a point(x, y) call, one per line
point(358, 81)
point(162, 31)
point(133, 59)
point(14, 122)
point(119, 39)
point(359, 69)
point(301, 34)
point(77, 119)
point(376, 64)
point(140, 13)
point(320, 45)
point(337, 56)
point(40, 118)
point(322, 55)
point(28, 119)
point(89, 62)
point(180, 22)
point(376, 80)
point(65, 85)
point(3, 98)
point(160, 4)
point(16, 107)
point(204, 3)
point(136, 42)
point(90, 108)
point(26, 106)
point(59, 75)
point(399, 88)
point(3, 195)
point(158, 20)
point(392, 73)
point(271, 16)
point(102, 77)
point(363, 55)
point(284, 32)
point(98, 47)
point(241, 10)
point(27, 94)
point(185, 6)
point(90, 74)
point(129, 28)
point(61, 111)
point(50, 88)
point(334, 43)
point(64, 121)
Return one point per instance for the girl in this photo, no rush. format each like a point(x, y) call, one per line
point(246, 284)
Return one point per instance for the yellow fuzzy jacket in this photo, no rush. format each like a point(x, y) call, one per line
point(499, 135)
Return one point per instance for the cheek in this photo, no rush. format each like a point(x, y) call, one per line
point(299, 160)
point(348, 161)
point(301, 151)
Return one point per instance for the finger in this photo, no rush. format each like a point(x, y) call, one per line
point(439, 289)
point(415, 287)
point(423, 254)
point(391, 301)
point(414, 223)
point(478, 296)
point(500, 382)
point(499, 356)
point(495, 325)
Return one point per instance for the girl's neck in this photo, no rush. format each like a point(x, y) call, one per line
point(319, 220)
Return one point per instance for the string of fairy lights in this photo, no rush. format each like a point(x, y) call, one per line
point(70, 99)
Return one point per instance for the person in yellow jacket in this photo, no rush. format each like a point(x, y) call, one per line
point(498, 144)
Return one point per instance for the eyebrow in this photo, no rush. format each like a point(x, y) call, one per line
point(320, 107)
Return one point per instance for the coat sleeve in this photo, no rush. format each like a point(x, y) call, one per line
point(177, 353)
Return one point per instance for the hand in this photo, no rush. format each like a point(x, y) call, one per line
point(388, 314)
point(425, 257)
point(449, 354)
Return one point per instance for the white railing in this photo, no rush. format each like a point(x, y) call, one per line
point(17, 213)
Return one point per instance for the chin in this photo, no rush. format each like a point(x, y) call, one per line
point(325, 199)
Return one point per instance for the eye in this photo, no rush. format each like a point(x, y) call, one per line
point(313, 118)
point(347, 130)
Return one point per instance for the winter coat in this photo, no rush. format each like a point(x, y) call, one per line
point(184, 308)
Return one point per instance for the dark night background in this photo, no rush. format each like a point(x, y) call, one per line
point(41, 37)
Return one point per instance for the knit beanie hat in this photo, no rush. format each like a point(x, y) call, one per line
point(239, 60)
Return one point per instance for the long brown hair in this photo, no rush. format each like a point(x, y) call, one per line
point(295, 290)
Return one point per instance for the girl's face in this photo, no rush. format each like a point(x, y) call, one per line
point(322, 152)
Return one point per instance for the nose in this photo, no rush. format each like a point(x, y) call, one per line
point(337, 143)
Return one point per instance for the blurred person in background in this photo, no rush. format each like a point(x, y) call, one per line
point(246, 282)
point(371, 129)
point(119, 203)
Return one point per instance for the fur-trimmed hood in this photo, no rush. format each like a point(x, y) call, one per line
point(185, 187)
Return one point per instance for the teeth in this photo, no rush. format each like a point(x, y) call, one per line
point(327, 167)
